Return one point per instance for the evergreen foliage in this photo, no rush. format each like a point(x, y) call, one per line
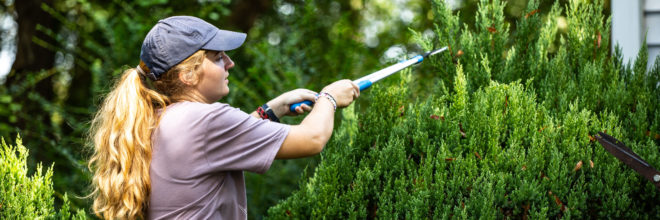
point(23, 197)
point(507, 130)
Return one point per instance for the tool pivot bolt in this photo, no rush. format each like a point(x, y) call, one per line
point(656, 178)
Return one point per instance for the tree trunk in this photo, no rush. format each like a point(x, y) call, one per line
point(31, 57)
point(245, 13)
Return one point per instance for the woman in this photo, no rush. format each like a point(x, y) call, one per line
point(173, 152)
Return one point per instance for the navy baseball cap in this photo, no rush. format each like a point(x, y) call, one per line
point(174, 39)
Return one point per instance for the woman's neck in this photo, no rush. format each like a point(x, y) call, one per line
point(192, 96)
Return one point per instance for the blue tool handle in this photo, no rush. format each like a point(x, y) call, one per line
point(293, 107)
point(364, 84)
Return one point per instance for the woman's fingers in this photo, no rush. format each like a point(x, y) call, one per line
point(309, 96)
point(296, 96)
point(356, 90)
point(302, 109)
point(306, 107)
point(306, 94)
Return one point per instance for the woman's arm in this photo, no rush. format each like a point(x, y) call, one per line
point(310, 136)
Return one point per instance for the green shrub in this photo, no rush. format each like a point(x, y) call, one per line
point(506, 132)
point(23, 197)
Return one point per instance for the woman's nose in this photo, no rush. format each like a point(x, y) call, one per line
point(229, 63)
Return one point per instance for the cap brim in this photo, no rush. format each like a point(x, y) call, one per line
point(225, 40)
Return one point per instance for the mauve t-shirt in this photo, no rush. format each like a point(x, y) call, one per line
point(199, 154)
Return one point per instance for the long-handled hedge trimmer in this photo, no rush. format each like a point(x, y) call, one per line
point(366, 81)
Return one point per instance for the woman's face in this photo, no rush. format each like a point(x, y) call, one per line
point(213, 84)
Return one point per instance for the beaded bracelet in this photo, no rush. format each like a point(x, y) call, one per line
point(327, 95)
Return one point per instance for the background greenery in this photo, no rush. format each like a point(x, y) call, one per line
point(69, 51)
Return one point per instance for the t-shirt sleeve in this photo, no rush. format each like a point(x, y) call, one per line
point(238, 141)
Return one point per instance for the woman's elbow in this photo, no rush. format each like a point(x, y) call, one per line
point(318, 142)
point(316, 146)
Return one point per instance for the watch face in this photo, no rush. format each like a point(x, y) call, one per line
point(270, 113)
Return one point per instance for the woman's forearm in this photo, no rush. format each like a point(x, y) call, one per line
point(320, 121)
point(255, 114)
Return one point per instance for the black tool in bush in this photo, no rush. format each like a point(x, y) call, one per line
point(628, 157)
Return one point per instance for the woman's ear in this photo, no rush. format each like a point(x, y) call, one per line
point(188, 78)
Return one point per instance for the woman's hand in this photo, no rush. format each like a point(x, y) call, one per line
point(280, 105)
point(344, 91)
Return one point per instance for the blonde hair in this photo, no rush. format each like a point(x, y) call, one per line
point(121, 132)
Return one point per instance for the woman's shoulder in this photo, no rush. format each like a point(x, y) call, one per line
point(185, 114)
point(197, 109)
point(198, 106)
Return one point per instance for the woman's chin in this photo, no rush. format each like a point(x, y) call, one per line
point(223, 94)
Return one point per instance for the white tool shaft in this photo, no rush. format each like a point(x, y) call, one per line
point(380, 74)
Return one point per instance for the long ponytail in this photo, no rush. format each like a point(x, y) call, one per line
point(121, 132)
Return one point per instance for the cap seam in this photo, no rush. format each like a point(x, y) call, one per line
point(209, 40)
point(159, 45)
